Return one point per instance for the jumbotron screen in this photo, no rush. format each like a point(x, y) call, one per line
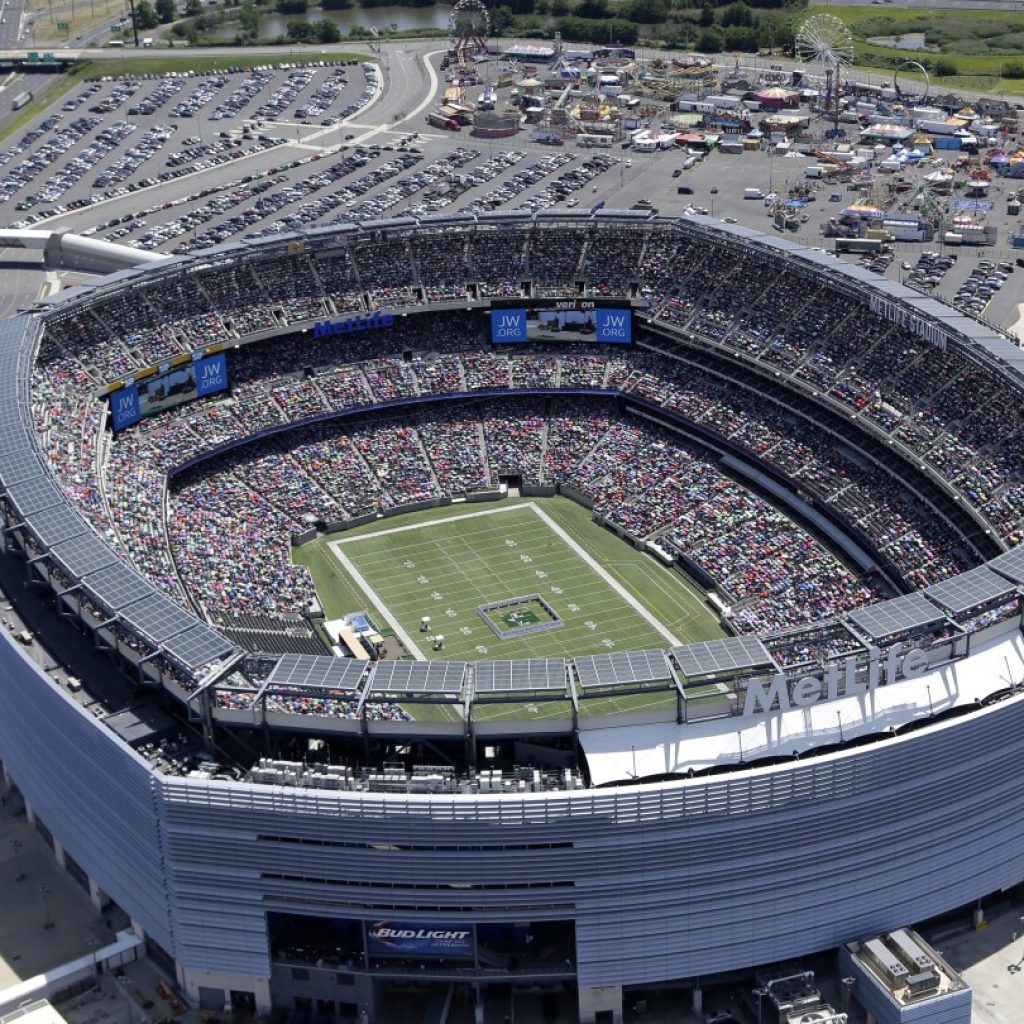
point(608, 322)
point(142, 398)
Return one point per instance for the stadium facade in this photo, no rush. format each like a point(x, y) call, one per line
point(629, 885)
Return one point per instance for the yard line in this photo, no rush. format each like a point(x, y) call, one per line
point(410, 644)
point(436, 522)
point(606, 576)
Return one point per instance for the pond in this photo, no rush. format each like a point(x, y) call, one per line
point(909, 41)
point(397, 19)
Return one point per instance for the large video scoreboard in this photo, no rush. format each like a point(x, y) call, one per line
point(171, 386)
point(606, 321)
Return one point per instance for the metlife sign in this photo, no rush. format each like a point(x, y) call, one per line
point(125, 408)
point(613, 326)
point(405, 939)
point(211, 375)
point(508, 325)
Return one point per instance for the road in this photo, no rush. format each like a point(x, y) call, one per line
point(10, 20)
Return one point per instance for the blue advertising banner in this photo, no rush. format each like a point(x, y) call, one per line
point(613, 326)
point(212, 374)
point(125, 408)
point(407, 939)
point(508, 325)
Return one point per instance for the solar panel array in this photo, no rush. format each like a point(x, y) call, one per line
point(119, 585)
point(197, 647)
point(963, 593)
point(434, 677)
point(1010, 565)
point(622, 669)
point(522, 676)
point(53, 525)
point(899, 615)
point(315, 672)
point(723, 657)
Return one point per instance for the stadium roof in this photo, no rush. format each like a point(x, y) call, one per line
point(523, 676)
point(423, 677)
point(714, 658)
point(317, 672)
point(970, 590)
point(899, 615)
point(1010, 565)
point(622, 668)
point(620, 753)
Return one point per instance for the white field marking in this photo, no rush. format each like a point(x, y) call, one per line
point(435, 522)
point(410, 644)
point(605, 575)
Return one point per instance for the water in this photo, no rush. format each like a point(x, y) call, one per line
point(397, 19)
point(909, 41)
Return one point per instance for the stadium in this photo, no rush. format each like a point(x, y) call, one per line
point(574, 604)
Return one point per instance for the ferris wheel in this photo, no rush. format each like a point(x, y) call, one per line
point(469, 26)
point(824, 40)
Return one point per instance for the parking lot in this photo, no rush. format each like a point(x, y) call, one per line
point(178, 162)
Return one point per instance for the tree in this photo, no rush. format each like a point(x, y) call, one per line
point(1013, 69)
point(945, 66)
point(707, 16)
point(326, 31)
point(337, 5)
point(711, 40)
point(292, 6)
point(647, 12)
point(737, 14)
point(249, 19)
point(300, 31)
point(592, 9)
point(145, 16)
point(193, 8)
point(166, 11)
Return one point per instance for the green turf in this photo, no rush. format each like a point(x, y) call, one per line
point(507, 554)
point(470, 564)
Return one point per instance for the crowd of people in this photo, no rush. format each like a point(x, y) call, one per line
point(944, 408)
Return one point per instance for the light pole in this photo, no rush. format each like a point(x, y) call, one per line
point(839, 716)
point(47, 920)
point(93, 943)
point(16, 847)
point(760, 993)
point(122, 983)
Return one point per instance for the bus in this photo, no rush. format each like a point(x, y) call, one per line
point(449, 124)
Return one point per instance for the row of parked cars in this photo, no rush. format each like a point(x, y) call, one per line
point(981, 284)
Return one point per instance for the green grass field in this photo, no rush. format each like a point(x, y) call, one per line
point(447, 562)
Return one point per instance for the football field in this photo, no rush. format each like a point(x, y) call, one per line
point(517, 579)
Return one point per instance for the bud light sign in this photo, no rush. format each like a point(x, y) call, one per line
point(403, 939)
point(125, 408)
point(613, 326)
point(211, 375)
point(508, 325)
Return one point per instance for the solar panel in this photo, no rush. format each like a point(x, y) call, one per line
point(317, 672)
point(961, 594)
point(622, 668)
point(158, 618)
point(444, 677)
point(19, 463)
point(899, 615)
point(82, 555)
point(524, 676)
point(118, 586)
point(197, 647)
point(1010, 565)
point(723, 657)
point(53, 525)
point(35, 493)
